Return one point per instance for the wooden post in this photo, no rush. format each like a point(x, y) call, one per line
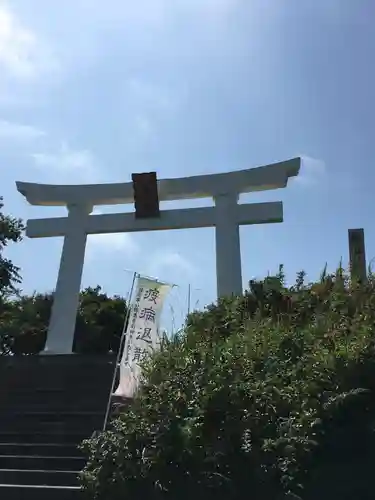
point(357, 255)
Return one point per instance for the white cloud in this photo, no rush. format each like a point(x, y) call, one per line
point(312, 171)
point(214, 10)
point(22, 54)
point(153, 13)
point(150, 95)
point(19, 132)
point(149, 105)
point(111, 243)
point(158, 263)
point(144, 126)
point(65, 161)
point(59, 164)
point(170, 260)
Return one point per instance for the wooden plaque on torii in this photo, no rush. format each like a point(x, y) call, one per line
point(146, 197)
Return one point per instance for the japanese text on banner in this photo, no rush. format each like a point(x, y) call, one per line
point(142, 331)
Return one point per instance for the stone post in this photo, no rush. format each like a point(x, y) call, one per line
point(357, 255)
point(228, 249)
point(61, 328)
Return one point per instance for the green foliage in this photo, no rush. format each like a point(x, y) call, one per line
point(100, 320)
point(10, 231)
point(270, 395)
point(24, 323)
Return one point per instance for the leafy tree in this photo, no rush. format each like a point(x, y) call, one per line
point(100, 320)
point(10, 231)
point(24, 324)
point(270, 395)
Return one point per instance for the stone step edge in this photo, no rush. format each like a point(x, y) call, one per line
point(63, 413)
point(39, 486)
point(43, 457)
point(43, 471)
point(44, 445)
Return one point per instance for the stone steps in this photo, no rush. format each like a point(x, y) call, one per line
point(39, 477)
point(41, 449)
point(44, 437)
point(53, 403)
point(41, 462)
point(39, 492)
point(49, 422)
point(48, 406)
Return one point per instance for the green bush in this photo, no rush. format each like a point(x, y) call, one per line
point(270, 396)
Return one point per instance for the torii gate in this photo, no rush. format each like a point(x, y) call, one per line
point(226, 216)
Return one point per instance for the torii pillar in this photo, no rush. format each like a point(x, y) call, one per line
point(226, 216)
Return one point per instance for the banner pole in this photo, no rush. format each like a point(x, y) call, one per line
point(188, 299)
point(119, 353)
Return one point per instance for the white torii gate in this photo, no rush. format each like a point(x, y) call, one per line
point(226, 216)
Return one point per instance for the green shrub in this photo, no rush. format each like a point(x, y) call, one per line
point(270, 395)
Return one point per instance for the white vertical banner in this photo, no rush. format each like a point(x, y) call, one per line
point(142, 333)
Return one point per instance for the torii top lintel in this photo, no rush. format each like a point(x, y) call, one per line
point(200, 186)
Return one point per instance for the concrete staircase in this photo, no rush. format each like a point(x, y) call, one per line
point(48, 405)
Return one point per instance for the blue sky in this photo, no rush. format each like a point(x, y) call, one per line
point(91, 91)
